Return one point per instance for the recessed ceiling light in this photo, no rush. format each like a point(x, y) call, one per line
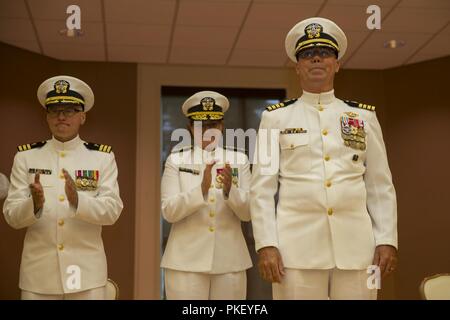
point(71, 33)
point(393, 44)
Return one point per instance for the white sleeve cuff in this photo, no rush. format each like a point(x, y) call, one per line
point(386, 242)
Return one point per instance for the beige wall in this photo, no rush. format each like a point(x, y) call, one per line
point(418, 138)
point(21, 122)
point(112, 121)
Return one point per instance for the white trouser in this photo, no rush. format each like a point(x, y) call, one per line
point(91, 294)
point(181, 285)
point(334, 284)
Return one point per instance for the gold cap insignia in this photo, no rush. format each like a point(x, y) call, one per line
point(313, 30)
point(208, 103)
point(61, 86)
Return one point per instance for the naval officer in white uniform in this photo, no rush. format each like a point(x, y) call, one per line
point(205, 195)
point(336, 214)
point(63, 191)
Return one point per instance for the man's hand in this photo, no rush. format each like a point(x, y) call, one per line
point(386, 258)
point(270, 264)
point(226, 179)
point(71, 190)
point(206, 182)
point(37, 193)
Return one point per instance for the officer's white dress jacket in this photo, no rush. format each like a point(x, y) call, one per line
point(62, 236)
point(206, 234)
point(336, 203)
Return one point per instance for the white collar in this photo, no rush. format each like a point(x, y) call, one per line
point(318, 99)
point(68, 145)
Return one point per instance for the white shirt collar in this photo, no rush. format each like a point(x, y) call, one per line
point(318, 99)
point(64, 146)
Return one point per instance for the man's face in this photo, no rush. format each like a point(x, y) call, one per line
point(65, 121)
point(317, 67)
point(208, 138)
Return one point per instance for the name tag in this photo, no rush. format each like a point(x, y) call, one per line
point(40, 171)
point(193, 171)
point(293, 130)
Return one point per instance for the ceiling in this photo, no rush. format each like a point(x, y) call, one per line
point(223, 32)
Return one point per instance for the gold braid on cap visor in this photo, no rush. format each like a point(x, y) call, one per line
point(63, 99)
point(205, 115)
point(316, 42)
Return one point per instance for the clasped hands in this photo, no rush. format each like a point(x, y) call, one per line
point(37, 191)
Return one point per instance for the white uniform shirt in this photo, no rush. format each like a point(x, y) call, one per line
point(62, 236)
point(336, 203)
point(206, 234)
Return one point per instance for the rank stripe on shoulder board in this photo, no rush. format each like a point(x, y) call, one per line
point(105, 148)
point(360, 105)
point(185, 148)
point(98, 147)
point(280, 105)
point(26, 147)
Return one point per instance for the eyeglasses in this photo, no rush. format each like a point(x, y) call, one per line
point(206, 124)
point(67, 112)
point(311, 53)
point(211, 125)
